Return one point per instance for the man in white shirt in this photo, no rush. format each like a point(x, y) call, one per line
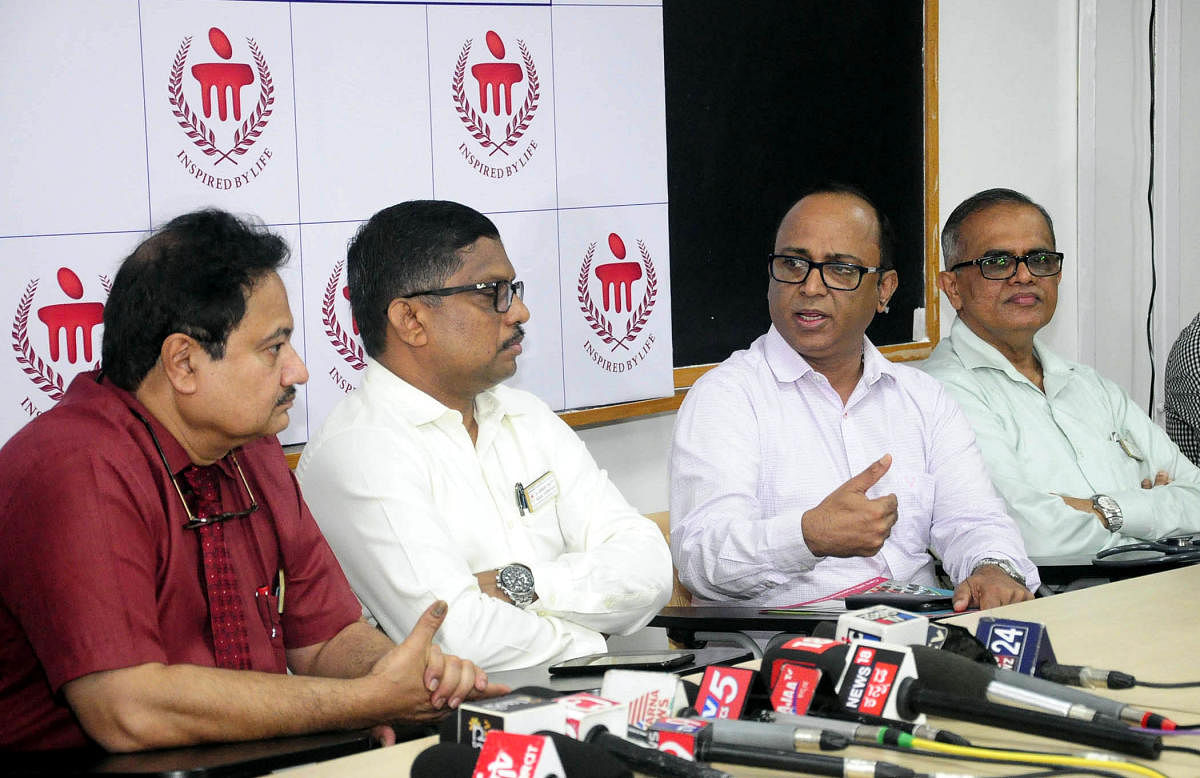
point(432, 481)
point(763, 441)
point(1081, 465)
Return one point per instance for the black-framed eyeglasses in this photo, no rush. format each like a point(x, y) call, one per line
point(194, 521)
point(503, 292)
point(843, 276)
point(1000, 267)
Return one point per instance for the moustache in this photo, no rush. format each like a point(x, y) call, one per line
point(288, 395)
point(517, 337)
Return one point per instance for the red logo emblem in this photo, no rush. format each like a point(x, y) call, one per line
point(223, 134)
point(492, 84)
point(620, 322)
point(69, 324)
point(348, 347)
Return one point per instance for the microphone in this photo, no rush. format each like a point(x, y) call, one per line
point(754, 744)
point(1024, 647)
point(915, 698)
point(778, 736)
point(458, 760)
point(650, 760)
point(1088, 677)
point(949, 673)
point(543, 711)
point(888, 677)
point(859, 732)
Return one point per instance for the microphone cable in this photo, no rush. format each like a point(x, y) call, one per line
point(1081, 675)
point(1016, 756)
point(893, 739)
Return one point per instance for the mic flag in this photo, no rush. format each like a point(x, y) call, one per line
point(884, 624)
point(798, 667)
point(723, 692)
point(650, 696)
point(508, 753)
point(682, 737)
point(1021, 646)
point(870, 684)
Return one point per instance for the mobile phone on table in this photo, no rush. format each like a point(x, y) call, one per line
point(598, 663)
point(917, 603)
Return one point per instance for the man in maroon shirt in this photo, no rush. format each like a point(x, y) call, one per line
point(143, 606)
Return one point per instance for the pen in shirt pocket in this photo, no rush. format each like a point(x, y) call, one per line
point(522, 505)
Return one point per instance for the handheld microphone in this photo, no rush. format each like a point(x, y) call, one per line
point(860, 732)
point(949, 673)
point(915, 697)
point(652, 761)
point(1024, 648)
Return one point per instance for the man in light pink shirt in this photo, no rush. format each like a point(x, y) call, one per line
point(809, 463)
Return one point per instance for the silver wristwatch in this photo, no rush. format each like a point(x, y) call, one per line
point(1108, 507)
point(516, 581)
point(1009, 569)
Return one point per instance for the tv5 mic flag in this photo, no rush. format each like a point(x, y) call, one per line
point(723, 692)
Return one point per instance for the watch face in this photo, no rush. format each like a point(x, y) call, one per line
point(516, 578)
point(1108, 505)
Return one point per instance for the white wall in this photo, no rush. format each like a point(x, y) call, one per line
point(1050, 98)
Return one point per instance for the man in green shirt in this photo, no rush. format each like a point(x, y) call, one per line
point(1081, 466)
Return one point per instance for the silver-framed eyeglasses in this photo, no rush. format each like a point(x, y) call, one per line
point(502, 292)
point(194, 521)
point(1000, 267)
point(843, 276)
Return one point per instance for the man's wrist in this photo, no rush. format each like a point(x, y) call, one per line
point(1005, 566)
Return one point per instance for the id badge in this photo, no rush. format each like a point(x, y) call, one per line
point(541, 491)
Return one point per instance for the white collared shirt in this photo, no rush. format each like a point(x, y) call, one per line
point(413, 510)
point(763, 437)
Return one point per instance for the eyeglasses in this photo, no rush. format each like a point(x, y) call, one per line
point(194, 521)
point(999, 267)
point(843, 276)
point(503, 292)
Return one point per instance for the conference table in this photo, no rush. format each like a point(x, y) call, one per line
point(1147, 626)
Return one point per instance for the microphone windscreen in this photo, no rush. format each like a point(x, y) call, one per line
point(445, 760)
point(962, 642)
point(584, 760)
point(580, 760)
point(539, 691)
point(448, 728)
point(950, 673)
point(825, 629)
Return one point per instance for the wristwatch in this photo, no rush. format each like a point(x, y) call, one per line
point(1009, 569)
point(516, 581)
point(1108, 507)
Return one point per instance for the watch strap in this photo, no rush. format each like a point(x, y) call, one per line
point(1008, 567)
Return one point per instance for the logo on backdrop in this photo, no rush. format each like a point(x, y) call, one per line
point(349, 347)
point(225, 128)
point(61, 340)
point(486, 103)
point(617, 324)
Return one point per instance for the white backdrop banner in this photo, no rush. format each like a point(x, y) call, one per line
point(119, 115)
